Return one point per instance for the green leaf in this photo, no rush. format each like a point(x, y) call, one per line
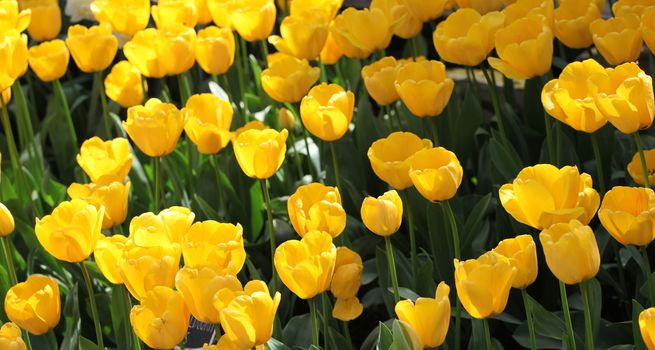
point(274, 344)
point(298, 331)
point(401, 339)
point(546, 323)
point(475, 220)
point(86, 344)
point(385, 337)
point(120, 318)
point(636, 332)
point(505, 159)
point(71, 314)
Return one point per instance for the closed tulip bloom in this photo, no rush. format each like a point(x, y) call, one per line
point(628, 214)
point(347, 309)
point(424, 87)
point(143, 51)
point(208, 122)
point(178, 44)
point(154, 127)
point(286, 119)
point(204, 16)
point(635, 170)
point(379, 79)
point(482, 6)
point(71, 231)
point(327, 8)
point(105, 161)
point(359, 33)
point(112, 197)
point(182, 12)
point(571, 251)
point(125, 16)
point(162, 319)
point(436, 173)
point(347, 276)
point(466, 37)
point(49, 60)
point(177, 221)
point(220, 11)
point(525, 48)
point(426, 11)
point(45, 19)
point(251, 125)
point(12, 18)
point(407, 25)
point(411, 336)
point(384, 214)
point(524, 8)
point(390, 157)
point(13, 47)
point(570, 98)
point(93, 49)
point(564, 194)
point(143, 269)
point(483, 284)
point(522, 254)
point(7, 221)
point(34, 305)
point(123, 84)
point(10, 337)
point(260, 153)
point(302, 36)
point(215, 49)
point(316, 207)
point(217, 243)
point(288, 79)
point(108, 255)
point(647, 327)
point(624, 8)
point(648, 28)
point(327, 110)
point(254, 19)
point(572, 20)
point(429, 317)
point(306, 266)
point(617, 39)
point(167, 227)
point(331, 52)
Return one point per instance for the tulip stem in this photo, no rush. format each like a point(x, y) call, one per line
point(157, 166)
point(487, 334)
point(242, 88)
point(296, 157)
point(567, 315)
point(392, 270)
point(648, 275)
point(644, 166)
point(453, 228)
point(97, 77)
point(599, 163)
point(94, 305)
point(323, 72)
point(346, 334)
point(326, 320)
point(312, 315)
point(435, 132)
point(495, 101)
point(271, 230)
point(589, 335)
point(335, 165)
point(528, 316)
point(10, 261)
point(184, 87)
point(243, 47)
point(412, 236)
point(293, 110)
point(128, 305)
point(59, 90)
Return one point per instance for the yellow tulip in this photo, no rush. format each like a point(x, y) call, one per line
point(522, 254)
point(178, 44)
point(6, 96)
point(570, 98)
point(628, 214)
point(466, 37)
point(216, 243)
point(572, 20)
point(162, 319)
point(167, 227)
point(424, 87)
point(564, 194)
point(7, 224)
point(108, 255)
point(429, 317)
point(411, 336)
point(220, 11)
point(93, 49)
point(254, 19)
point(327, 8)
point(288, 79)
point(204, 16)
point(286, 119)
point(624, 8)
point(436, 173)
point(199, 285)
point(253, 124)
point(168, 12)
point(390, 157)
point(347, 276)
point(379, 79)
point(49, 60)
point(71, 231)
point(13, 48)
point(34, 304)
point(215, 49)
point(125, 16)
point(208, 122)
point(260, 153)
point(407, 25)
point(12, 18)
point(635, 170)
point(525, 48)
point(302, 36)
point(10, 337)
point(359, 33)
point(648, 28)
point(426, 11)
point(124, 84)
point(327, 111)
point(483, 284)
point(331, 52)
point(105, 161)
point(143, 51)
point(482, 6)
point(617, 39)
point(647, 327)
point(316, 207)
point(347, 309)
point(625, 97)
point(143, 269)
point(384, 214)
point(112, 197)
point(306, 266)
point(154, 127)
point(571, 251)
point(45, 20)
point(524, 8)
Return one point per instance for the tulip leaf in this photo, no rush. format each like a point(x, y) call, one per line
point(385, 337)
point(475, 220)
point(546, 323)
point(71, 315)
point(297, 331)
point(504, 158)
point(86, 344)
point(400, 337)
point(464, 125)
point(384, 281)
point(120, 318)
point(274, 344)
point(636, 332)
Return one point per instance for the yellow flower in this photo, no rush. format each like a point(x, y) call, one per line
point(625, 97)
point(216, 243)
point(288, 79)
point(215, 49)
point(347, 276)
point(154, 127)
point(524, 8)
point(162, 319)
point(105, 161)
point(571, 251)
point(359, 33)
point(49, 60)
point(125, 16)
point(424, 87)
point(327, 8)
point(208, 122)
point(254, 19)
point(525, 48)
point(327, 110)
point(635, 170)
point(483, 284)
point(13, 49)
point(331, 52)
point(123, 84)
point(379, 78)
point(108, 254)
point(316, 207)
point(628, 214)
point(564, 194)
point(286, 119)
point(306, 266)
point(168, 12)
point(204, 16)
point(167, 227)
point(648, 28)
point(93, 49)
point(390, 157)
point(10, 337)
point(220, 11)
point(253, 124)
point(260, 153)
point(112, 197)
point(71, 231)
point(45, 21)
point(522, 254)
point(11, 18)
point(143, 269)
point(482, 6)
point(617, 39)
point(411, 336)
point(143, 51)
point(7, 224)
point(178, 45)
point(624, 8)
point(34, 304)
point(426, 11)
point(384, 214)
point(347, 309)
point(406, 24)
point(302, 36)
point(572, 20)
point(248, 319)
point(466, 37)
point(429, 317)
point(570, 98)
point(647, 327)
point(436, 173)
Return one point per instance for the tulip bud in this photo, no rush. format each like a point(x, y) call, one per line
point(359, 33)
point(482, 6)
point(143, 269)
point(424, 87)
point(162, 319)
point(125, 16)
point(617, 39)
point(327, 111)
point(143, 51)
point(11, 18)
point(628, 214)
point(7, 221)
point(522, 254)
point(347, 277)
point(636, 171)
point(647, 327)
point(406, 24)
point(524, 8)
point(154, 127)
point(260, 153)
point(316, 207)
point(254, 19)
point(177, 47)
point(168, 12)
point(10, 337)
point(286, 119)
point(288, 79)
point(34, 304)
point(108, 255)
point(13, 47)
point(49, 60)
point(572, 20)
point(124, 84)
point(216, 243)
point(347, 309)
point(383, 215)
point(436, 173)
point(215, 49)
point(425, 11)
point(253, 124)
point(220, 11)
point(112, 197)
point(390, 157)
point(93, 49)
point(379, 78)
point(105, 161)
point(624, 8)
point(326, 8)
point(45, 21)
point(427, 316)
point(303, 36)
point(208, 122)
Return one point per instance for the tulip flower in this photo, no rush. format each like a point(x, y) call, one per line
point(10, 337)
point(572, 20)
point(215, 49)
point(316, 207)
point(13, 46)
point(216, 243)
point(168, 12)
point(45, 18)
point(617, 39)
point(208, 122)
point(108, 255)
point(522, 254)
point(436, 173)
point(331, 52)
point(144, 52)
point(628, 214)
point(625, 8)
point(105, 161)
point(12, 18)
point(302, 36)
point(379, 78)
point(407, 25)
point(7, 221)
point(253, 19)
point(327, 110)
point(425, 11)
point(648, 28)
point(391, 157)
point(124, 86)
point(429, 317)
point(564, 195)
point(204, 16)
point(347, 309)
point(635, 170)
point(93, 49)
point(169, 226)
point(162, 319)
point(125, 16)
point(286, 119)
point(482, 6)
point(424, 87)
point(525, 8)
point(383, 215)
point(359, 33)
point(347, 276)
point(327, 8)
point(112, 197)
point(251, 125)
point(260, 153)
point(178, 43)
point(143, 269)
point(647, 327)
point(34, 305)
point(154, 127)
point(220, 11)
point(289, 79)
point(49, 60)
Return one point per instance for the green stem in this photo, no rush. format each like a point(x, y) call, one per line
point(648, 275)
point(599, 163)
point(128, 305)
point(294, 111)
point(296, 156)
point(567, 315)
point(181, 345)
point(184, 87)
point(346, 334)
point(25, 123)
point(458, 324)
point(242, 87)
point(144, 87)
point(412, 43)
point(245, 73)
point(312, 315)
point(644, 166)
point(487, 334)
point(589, 335)
point(97, 77)
point(325, 320)
point(264, 46)
point(59, 91)
point(528, 316)
point(226, 87)
point(335, 165)
point(435, 132)
point(94, 306)
point(323, 72)
point(495, 101)
point(157, 161)
point(6, 248)
point(549, 137)
point(392, 270)
point(271, 230)
point(412, 235)
point(453, 228)
point(217, 329)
